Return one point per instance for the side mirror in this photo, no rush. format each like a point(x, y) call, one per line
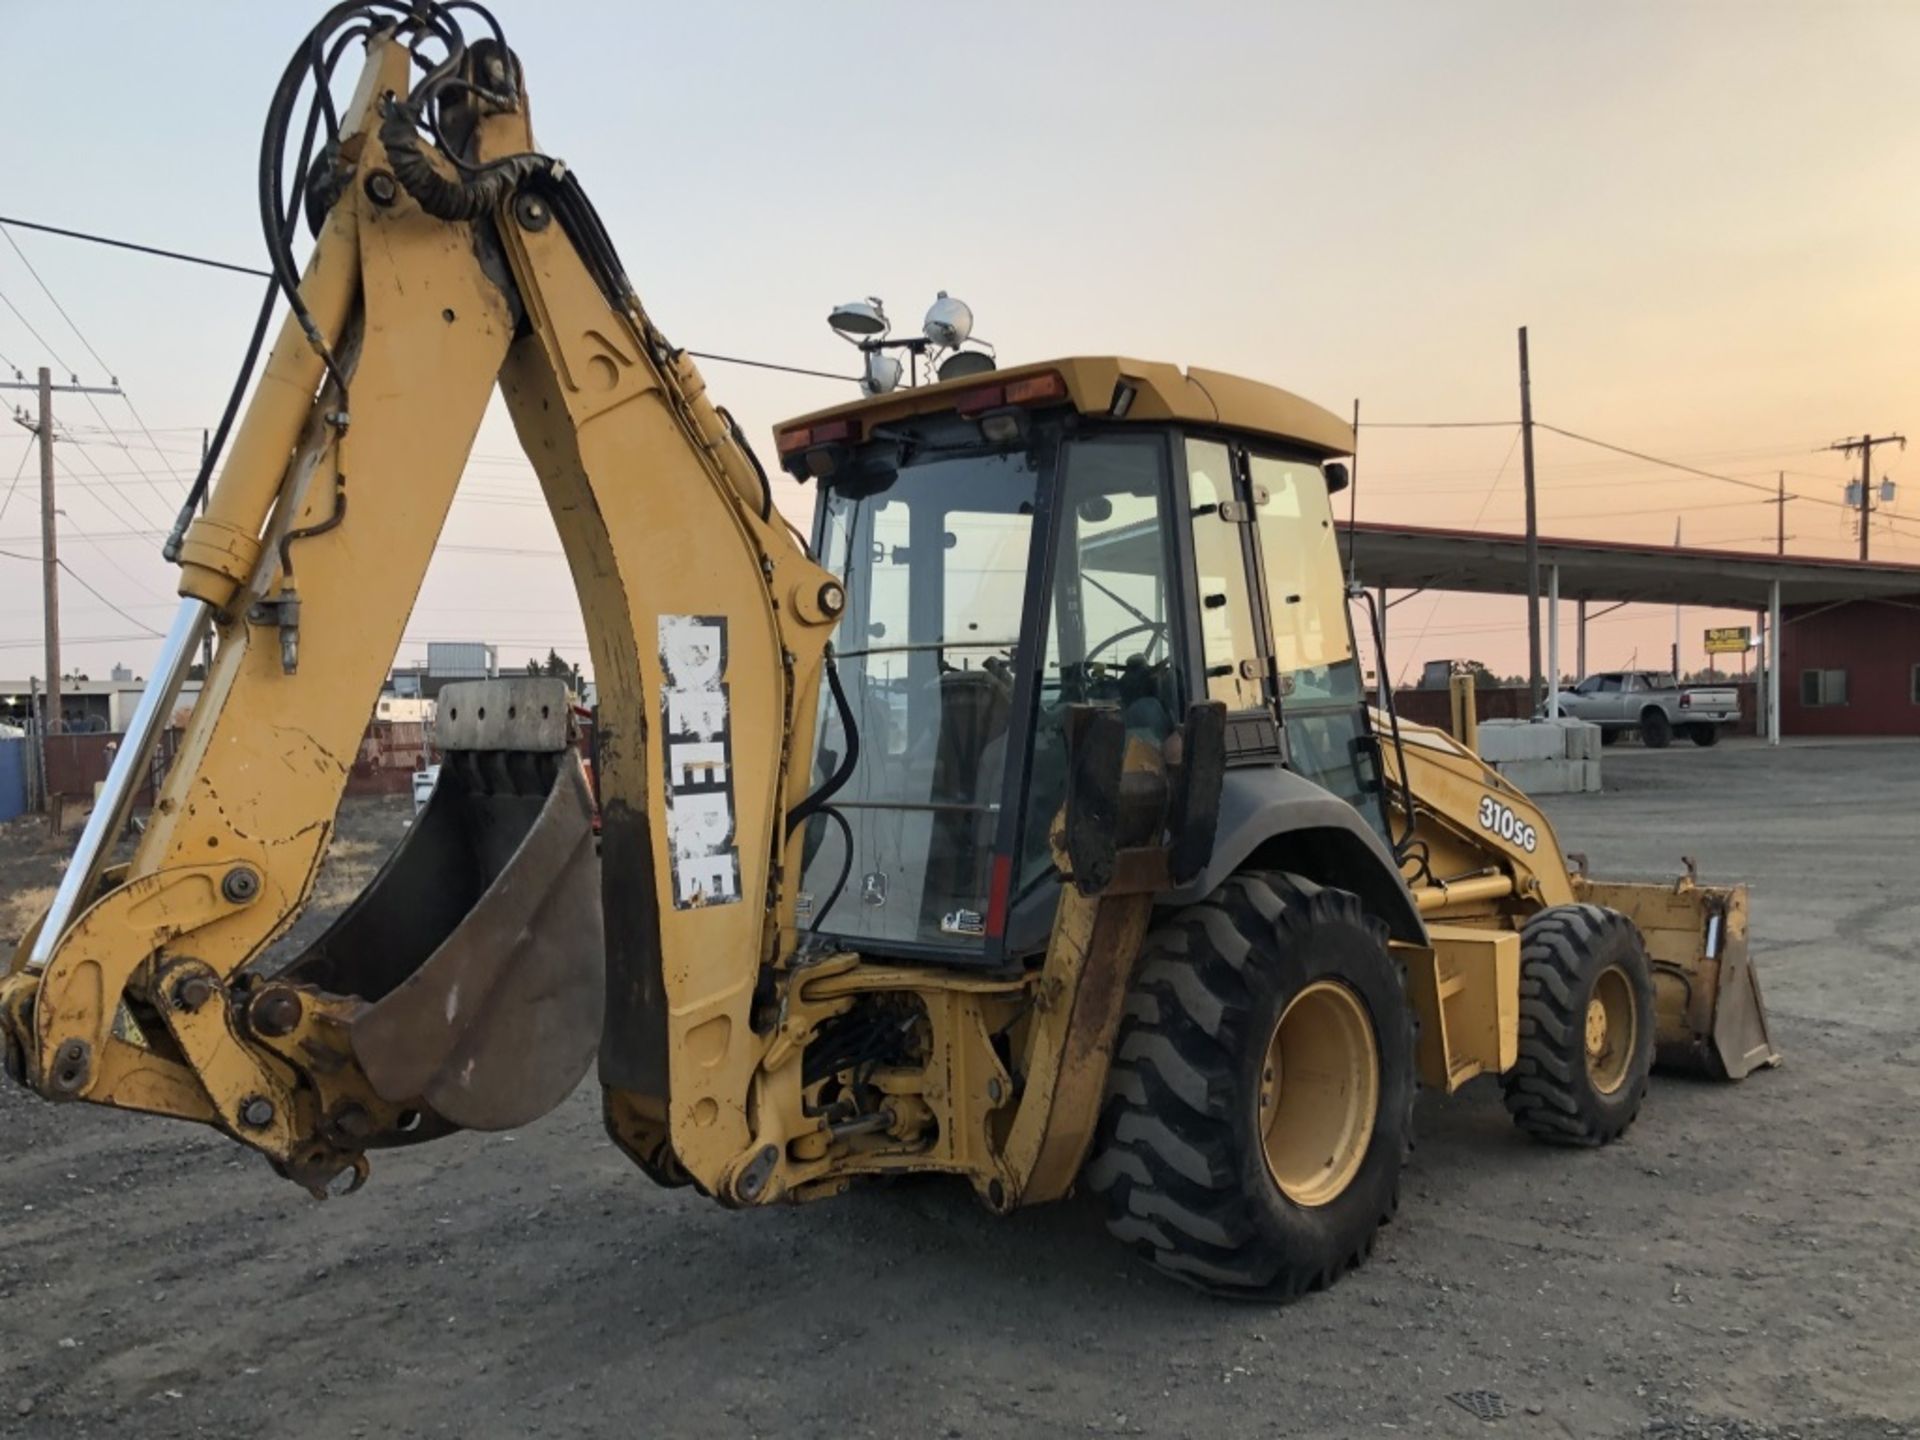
point(1338, 476)
point(1365, 750)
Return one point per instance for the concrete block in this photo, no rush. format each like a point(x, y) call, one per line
point(1551, 777)
point(1582, 739)
point(1502, 740)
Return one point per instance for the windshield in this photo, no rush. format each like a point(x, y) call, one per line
point(935, 567)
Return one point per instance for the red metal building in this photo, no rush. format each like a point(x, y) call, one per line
point(1851, 668)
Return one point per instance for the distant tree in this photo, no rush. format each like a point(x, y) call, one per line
point(556, 668)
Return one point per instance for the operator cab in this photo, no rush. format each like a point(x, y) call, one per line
point(1079, 532)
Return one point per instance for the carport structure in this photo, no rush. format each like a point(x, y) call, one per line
point(1412, 557)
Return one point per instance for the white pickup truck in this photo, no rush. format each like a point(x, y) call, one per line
point(1654, 703)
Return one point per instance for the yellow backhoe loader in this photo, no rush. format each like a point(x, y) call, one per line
point(1026, 823)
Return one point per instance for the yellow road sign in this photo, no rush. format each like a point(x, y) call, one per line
point(1730, 640)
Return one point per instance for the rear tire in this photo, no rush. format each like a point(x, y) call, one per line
point(1705, 736)
point(1211, 1166)
point(1586, 1026)
point(1656, 730)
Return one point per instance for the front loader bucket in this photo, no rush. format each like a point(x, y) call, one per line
point(478, 945)
point(1710, 1018)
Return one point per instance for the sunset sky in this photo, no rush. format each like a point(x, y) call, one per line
point(1706, 213)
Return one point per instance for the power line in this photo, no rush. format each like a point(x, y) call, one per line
point(78, 579)
point(44, 344)
point(74, 526)
point(1436, 424)
point(1478, 515)
point(138, 517)
point(76, 640)
point(182, 255)
point(770, 365)
point(107, 483)
point(81, 581)
point(1421, 480)
point(1686, 509)
point(87, 344)
point(118, 568)
point(12, 485)
point(143, 249)
point(1669, 464)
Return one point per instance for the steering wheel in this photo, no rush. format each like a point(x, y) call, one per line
point(1157, 627)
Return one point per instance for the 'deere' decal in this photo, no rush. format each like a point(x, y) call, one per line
point(698, 748)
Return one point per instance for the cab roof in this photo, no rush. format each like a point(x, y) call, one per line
point(1161, 393)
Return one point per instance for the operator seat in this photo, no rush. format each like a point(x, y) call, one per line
point(969, 763)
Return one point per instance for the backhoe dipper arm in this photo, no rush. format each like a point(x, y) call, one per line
point(431, 280)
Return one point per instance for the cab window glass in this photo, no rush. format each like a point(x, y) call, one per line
point(1306, 588)
point(986, 574)
point(934, 564)
point(1229, 651)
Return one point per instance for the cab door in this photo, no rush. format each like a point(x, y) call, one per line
point(1274, 635)
point(1316, 679)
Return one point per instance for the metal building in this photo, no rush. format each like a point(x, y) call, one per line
point(1851, 668)
point(1849, 630)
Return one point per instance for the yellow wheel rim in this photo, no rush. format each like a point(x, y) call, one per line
point(1612, 1028)
point(1319, 1093)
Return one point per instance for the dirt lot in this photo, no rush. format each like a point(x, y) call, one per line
point(1744, 1264)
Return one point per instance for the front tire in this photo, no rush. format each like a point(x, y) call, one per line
point(1586, 1026)
point(1656, 730)
point(1214, 1165)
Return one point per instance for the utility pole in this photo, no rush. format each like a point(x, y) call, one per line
point(1533, 534)
point(1676, 608)
point(1865, 446)
point(49, 555)
point(49, 537)
point(1780, 518)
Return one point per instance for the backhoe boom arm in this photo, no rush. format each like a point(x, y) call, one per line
point(430, 283)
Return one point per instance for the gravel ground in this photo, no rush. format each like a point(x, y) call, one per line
point(1743, 1264)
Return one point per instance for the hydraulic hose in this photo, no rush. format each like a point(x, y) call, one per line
point(444, 199)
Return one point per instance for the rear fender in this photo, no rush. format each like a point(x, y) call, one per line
point(1272, 818)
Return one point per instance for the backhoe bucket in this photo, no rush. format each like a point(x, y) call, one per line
point(1710, 1018)
point(478, 945)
